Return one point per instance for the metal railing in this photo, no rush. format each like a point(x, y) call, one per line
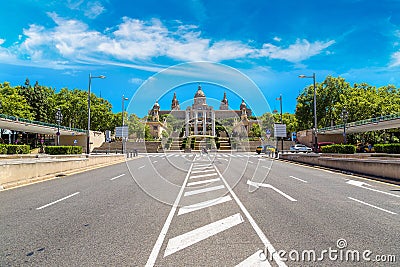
point(362, 122)
point(13, 118)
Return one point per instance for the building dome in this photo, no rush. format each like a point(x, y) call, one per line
point(199, 93)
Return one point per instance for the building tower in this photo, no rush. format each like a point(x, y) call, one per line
point(175, 103)
point(224, 103)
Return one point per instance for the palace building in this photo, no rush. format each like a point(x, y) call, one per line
point(200, 118)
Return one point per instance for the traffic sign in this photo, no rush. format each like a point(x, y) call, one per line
point(121, 131)
point(268, 133)
point(280, 130)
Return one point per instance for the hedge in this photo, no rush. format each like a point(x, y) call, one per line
point(18, 149)
point(387, 148)
point(62, 150)
point(3, 149)
point(340, 149)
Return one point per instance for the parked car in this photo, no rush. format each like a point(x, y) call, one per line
point(300, 148)
point(321, 144)
point(265, 149)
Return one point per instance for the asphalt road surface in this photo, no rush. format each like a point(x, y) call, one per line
point(223, 209)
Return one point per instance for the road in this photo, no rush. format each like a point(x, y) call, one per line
point(221, 209)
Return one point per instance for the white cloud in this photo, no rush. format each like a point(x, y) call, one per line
point(136, 81)
point(94, 9)
point(395, 59)
point(297, 52)
point(276, 38)
point(140, 42)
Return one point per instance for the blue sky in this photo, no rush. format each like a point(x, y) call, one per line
point(58, 43)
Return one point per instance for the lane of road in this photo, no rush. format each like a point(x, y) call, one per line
point(114, 215)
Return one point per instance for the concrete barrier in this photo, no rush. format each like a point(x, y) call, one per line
point(27, 170)
point(385, 168)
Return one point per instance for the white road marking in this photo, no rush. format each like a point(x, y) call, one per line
point(257, 259)
point(203, 175)
point(141, 167)
point(273, 188)
point(266, 167)
point(360, 184)
point(204, 204)
point(185, 240)
point(160, 240)
point(301, 180)
point(202, 165)
point(116, 177)
point(203, 190)
point(365, 203)
point(155, 161)
point(54, 202)
point(272, 251)
point(250, 162)
point(202, 170)
point(204, 182)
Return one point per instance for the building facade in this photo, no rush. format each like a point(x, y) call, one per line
point(201, 118)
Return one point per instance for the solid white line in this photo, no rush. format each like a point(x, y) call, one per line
point(202, 170)
point(203, 190)
point(301, 180)
point(257, 259)
point(256, 228)
point(272, 187)
point(185, 240)
point(54, 202)
point(203, 175)
point(116, 177)
point(204, 204)
point(202, 165)
point(160, 240)
point(141, 167)
point(365, 203)
point(203, 182)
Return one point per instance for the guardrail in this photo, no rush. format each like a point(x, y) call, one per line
point(13, 118)
point(362, 122)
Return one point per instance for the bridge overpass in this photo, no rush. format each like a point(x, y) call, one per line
point(68, 135)
point(391, 121)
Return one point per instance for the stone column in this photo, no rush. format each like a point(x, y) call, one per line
point(195, 123)
point(213, 122)
point(204, 122)
point(187, 117)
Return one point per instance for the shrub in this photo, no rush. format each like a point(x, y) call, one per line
point(18, 149)
point(387, 148)
point(63, 150)
point(340, 149)
point(3, 149)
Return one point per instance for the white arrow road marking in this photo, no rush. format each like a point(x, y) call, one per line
point(273, 188)
point(257, 259)
point(360, 184)
point(204, 204)
point(301, 180)
point(54, 202)
point(116, 177)
point(365, 203)
point(185, 240)
point(203, 190)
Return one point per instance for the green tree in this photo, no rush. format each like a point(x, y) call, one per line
point(13, 104)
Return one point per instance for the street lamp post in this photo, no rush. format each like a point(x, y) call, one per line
point(123, 122)
point(59, 118)
point(280, 100)
point(315, 111)
point(88, 129)
point(344, 115)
